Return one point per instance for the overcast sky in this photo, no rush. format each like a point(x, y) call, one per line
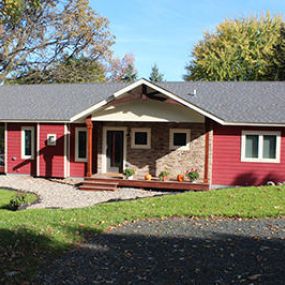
point(165, 31)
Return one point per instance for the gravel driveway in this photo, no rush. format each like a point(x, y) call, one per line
point(178, 251)
point(63, 193)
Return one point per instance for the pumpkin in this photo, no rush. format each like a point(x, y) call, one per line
point(180, 177)
point(148, 177)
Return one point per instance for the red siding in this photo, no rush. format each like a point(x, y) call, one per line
point(52, 157)
point(77, 169)
point(227, 166)
point(16, 164)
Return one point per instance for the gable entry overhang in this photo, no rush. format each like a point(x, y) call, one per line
point(145, 83)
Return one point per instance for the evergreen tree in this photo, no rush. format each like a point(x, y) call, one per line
point(155, 75)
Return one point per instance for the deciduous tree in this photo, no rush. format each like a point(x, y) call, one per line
point(35, 35)
point(123, 69)
point(243, 49)
point(71, 70)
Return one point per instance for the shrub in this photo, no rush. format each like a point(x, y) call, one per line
point(19, 200)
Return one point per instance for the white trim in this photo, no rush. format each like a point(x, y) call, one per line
point(180, 131)
point(153, 86)
point(38, 148)
point(168, 94)
point(66, 152)
point(77, 130)
point(89, 110)
point(32, 129)
point(141, 130)
point(247, 124)
point(260, 135)
point(104, 146)
point(6, 148)
point(34, 121)
point(75, 118)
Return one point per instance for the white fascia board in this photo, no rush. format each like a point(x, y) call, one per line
point(35, 121)
point(89, 110)
point(252, 124)
point(153, 86)
point(168, 94)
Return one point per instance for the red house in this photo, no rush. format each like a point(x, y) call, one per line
point(232, 132)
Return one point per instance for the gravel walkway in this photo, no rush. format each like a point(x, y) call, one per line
point(56, 194)
point(178, 251)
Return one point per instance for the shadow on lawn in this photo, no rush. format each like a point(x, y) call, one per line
point(138, 259)
point(22, 251)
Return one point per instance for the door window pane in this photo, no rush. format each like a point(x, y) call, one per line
point(269, 146)
point(82, 141)
point(28, 142)
point(251, 146)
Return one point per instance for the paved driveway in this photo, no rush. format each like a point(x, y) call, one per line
point(63, 193)
point(178, 251)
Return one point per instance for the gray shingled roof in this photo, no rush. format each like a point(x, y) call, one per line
point(236, 102)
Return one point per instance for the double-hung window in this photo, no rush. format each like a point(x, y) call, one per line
point(81, 144)
point(260, 146)
point(28, 142)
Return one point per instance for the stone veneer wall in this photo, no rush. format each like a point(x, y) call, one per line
point(160, 157)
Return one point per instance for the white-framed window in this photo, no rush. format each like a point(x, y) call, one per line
point(81, 144)
point(179, 139)
point(28, 142)
point(141, 138)
point(260, 146)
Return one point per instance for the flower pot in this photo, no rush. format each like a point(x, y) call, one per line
point(164, 178)
point(193, 181)
point(148, 177)
point(130, 177)
point(180, 177)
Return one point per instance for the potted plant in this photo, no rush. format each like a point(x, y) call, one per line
point(193, 175)
point(163, 175)
point(129, 173)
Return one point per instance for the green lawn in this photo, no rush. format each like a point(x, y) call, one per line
point(30, 237)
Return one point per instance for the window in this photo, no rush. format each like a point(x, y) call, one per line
point(260, 146)
point(179, 139)
point(81, 144)
point(28, 143)
point(141, 138)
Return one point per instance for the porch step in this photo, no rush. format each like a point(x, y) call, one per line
point(90, 185)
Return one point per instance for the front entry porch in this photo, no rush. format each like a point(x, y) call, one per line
point(99, 182)
point(146, 131)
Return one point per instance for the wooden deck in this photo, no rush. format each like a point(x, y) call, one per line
point(171, 185)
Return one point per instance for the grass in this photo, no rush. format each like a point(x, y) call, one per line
point(7, 195)
point(31, 237)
